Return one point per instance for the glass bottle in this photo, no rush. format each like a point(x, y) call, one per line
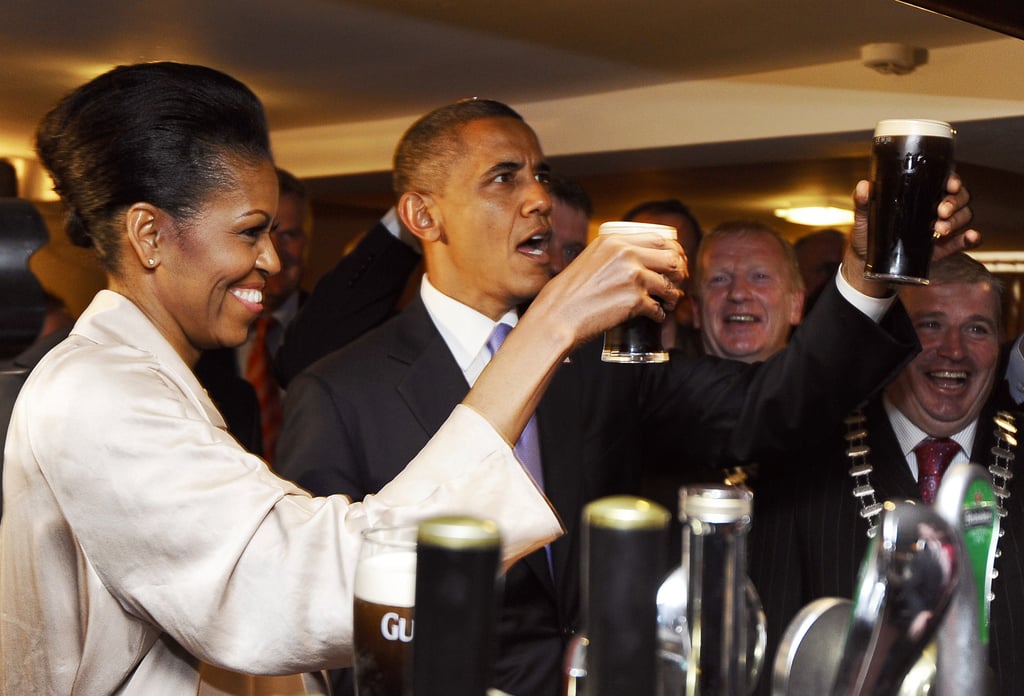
point(711, 628)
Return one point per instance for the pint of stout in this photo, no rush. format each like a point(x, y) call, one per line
point(637, 340)
point(911, 160)
point(385, 592)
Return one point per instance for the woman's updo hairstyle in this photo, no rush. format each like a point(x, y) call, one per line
point(160, 133)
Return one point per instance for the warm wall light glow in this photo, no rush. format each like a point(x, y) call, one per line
point(816, 216)
point(1000, 261)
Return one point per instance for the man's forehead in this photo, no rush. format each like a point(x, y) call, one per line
point(496, 129)
point(951, 298)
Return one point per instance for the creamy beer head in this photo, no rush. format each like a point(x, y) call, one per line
point(385, 594)
point(629, 227)
point(913, 126)
point(387, 578)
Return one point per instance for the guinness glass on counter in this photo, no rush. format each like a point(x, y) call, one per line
point(911, 161)
point(385, 590)
point(457, 583)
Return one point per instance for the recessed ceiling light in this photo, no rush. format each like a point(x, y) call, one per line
point(816, 215)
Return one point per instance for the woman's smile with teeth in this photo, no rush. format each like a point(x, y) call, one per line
point(250, 295)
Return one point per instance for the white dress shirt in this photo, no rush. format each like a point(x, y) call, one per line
point(909, 436)
point(465, 331)
point(139, 539)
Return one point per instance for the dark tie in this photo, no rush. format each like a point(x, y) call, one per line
point(933, 458)
point(258, 373)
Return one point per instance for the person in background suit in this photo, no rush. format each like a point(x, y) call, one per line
point(808, 537)
point(472, 185)
point(571, 210)
point(680, 333)
point(747, 296)
point(57, 322)
point(818, 254)
point(360, 292)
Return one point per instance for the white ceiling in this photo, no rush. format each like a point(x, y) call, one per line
point(611, 86)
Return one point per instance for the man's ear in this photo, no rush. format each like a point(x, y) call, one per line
point(696, 311)
point(421, 216)
point(796, 310)
point(142, 225)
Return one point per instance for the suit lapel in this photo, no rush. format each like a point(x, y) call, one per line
point(433, 384)
point(891, 476)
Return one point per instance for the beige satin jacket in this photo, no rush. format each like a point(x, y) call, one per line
point(139, 539)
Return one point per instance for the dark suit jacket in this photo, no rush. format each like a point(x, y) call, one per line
point(808, 540)
point(354, 419)
point(359, 293)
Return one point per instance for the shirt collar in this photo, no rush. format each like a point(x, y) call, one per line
point(909, 435)
point(464, 329)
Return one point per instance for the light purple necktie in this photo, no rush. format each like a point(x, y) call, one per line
point(527, 449)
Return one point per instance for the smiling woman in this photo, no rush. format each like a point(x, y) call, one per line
point(142, 549)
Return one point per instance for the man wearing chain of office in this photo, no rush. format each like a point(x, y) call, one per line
point(811, 531)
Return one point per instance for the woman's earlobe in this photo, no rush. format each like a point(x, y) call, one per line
point(141, 226)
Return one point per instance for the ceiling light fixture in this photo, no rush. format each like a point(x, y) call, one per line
point(816, 215)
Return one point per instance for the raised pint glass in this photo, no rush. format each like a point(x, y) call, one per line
point(636, 340)
point(385, 592)
point(910, 162)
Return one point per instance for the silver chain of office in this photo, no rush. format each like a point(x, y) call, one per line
point(857, 451)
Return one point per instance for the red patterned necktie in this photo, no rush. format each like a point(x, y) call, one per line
point(933, 458)
point(258, 371)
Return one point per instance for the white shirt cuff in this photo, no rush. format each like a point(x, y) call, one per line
point(873, 307)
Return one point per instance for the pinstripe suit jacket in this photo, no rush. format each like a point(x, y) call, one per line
point(808, 540)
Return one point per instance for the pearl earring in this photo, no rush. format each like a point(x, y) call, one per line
point(152, 262)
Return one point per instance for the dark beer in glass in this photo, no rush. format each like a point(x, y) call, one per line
point(385, 593)
point(910, 163)
point(636, 340)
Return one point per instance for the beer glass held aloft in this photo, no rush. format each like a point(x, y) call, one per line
point(385, 591)
point(910, 163)
point(636, 340)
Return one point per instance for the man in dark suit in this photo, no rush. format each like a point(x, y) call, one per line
point(472, 182)
point(809, 537)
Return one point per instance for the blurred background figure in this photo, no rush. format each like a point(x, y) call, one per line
point(678, 330)
point(571, 211)
point(818, 255)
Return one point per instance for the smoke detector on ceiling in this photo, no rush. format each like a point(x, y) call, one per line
point(892, 58)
